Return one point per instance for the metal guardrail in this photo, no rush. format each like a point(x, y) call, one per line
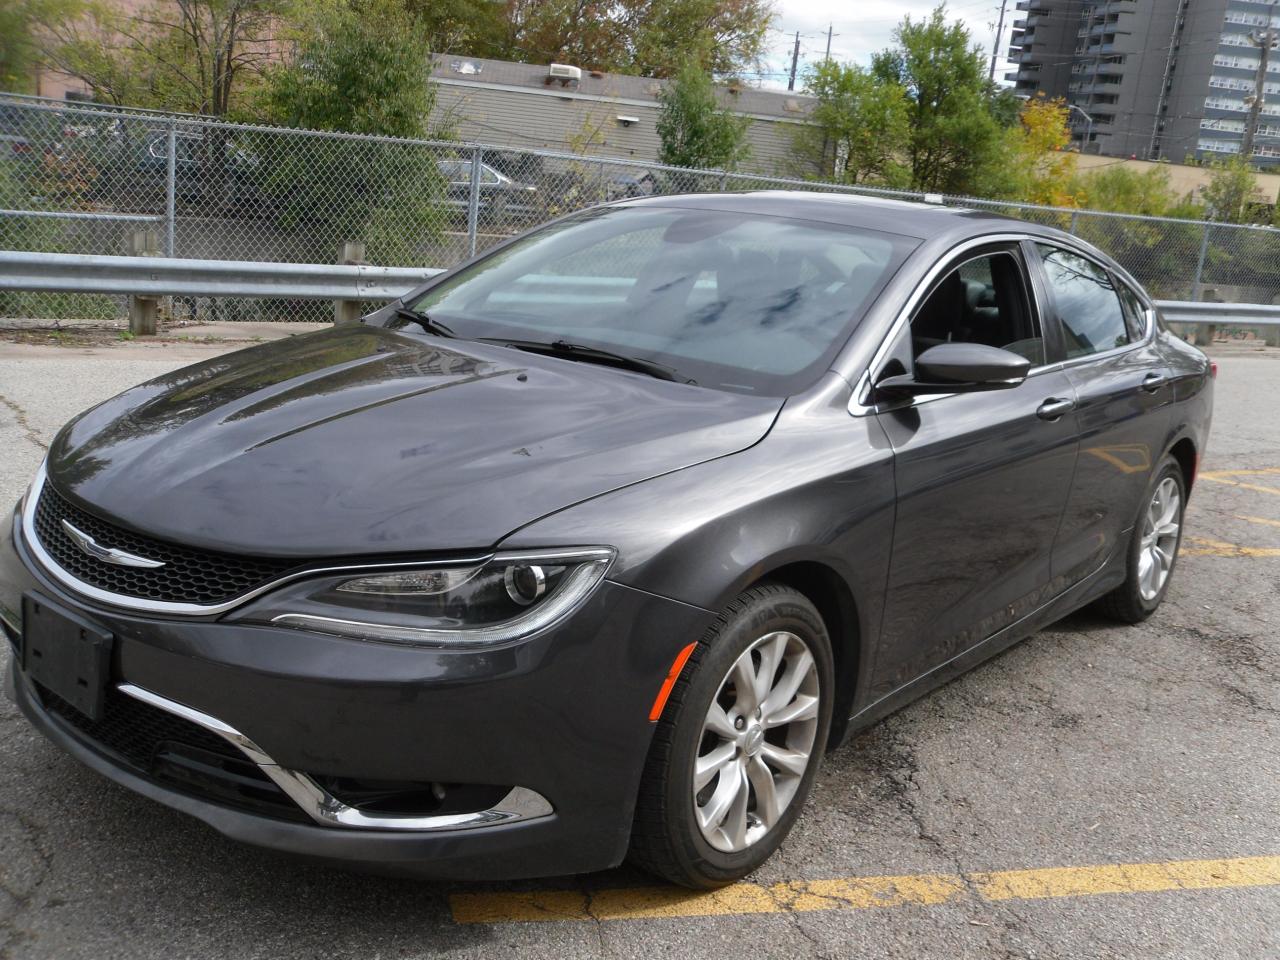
point(1221, 314)
point(164, 277)
point(146, 278)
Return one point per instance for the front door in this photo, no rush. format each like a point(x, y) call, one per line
point(982, 478)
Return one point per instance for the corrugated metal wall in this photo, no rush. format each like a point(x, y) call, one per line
point(537, 120)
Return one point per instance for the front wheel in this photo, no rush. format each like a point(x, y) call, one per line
point(739, 742)
point(1153, 548)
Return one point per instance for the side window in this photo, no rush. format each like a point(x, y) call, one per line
point(1135, 312)
point(1093, 319)
point(984, 300)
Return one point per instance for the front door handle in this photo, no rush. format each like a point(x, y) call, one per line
point(1153, 382)
point(1055, 407)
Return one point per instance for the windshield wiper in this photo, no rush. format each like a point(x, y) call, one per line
point(424, 321)
point(578, 351)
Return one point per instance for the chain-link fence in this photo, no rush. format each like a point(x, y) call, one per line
point(91, 179)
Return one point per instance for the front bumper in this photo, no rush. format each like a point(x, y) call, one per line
point(563, 715)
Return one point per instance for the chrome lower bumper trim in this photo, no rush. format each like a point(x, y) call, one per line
point(324, 808)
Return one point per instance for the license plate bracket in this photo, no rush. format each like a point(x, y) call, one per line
point(66, 654)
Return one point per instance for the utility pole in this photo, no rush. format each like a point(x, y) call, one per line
point(1267, 40)
point(795, 61)
point(995, 51)
point(830, 27)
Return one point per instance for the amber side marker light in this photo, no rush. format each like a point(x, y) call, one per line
point(676, 666)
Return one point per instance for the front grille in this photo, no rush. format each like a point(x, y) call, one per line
point(175, 753)
point(188, 575)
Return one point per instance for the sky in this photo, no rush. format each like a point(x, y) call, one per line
point(861, 27)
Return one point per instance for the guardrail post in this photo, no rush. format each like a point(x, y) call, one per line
point(348, 311)
point(143, 310)
point(1075, 216)
point(473, 201)
point(1204, 253)
point(171, 191)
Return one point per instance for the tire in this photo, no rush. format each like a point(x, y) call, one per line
point(667, 837)
point(1133, 601)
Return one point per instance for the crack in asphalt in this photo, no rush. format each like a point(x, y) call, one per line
point(10, 935)
point(903, 791)
point(29, 433)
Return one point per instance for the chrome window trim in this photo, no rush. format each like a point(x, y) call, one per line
point(858, 405)
point(50, 566)
point(520, 803)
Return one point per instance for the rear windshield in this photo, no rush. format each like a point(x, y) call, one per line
point(734, 301)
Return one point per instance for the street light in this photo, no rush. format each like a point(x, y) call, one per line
point(1088, 130)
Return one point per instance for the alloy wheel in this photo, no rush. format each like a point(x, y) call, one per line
point(757, 740)
point(1159, 544)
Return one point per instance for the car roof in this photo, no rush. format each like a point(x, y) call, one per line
point(922, 221)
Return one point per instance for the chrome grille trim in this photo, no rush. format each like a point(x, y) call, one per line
point(64, 578)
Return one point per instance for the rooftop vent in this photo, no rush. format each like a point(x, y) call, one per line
point(563, 71)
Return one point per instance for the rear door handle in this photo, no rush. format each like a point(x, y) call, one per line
point(1055, 407)
point(1153, 382)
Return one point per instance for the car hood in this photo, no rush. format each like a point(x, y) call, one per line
point(361, 440)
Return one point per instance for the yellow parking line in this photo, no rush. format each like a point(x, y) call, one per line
point(1243, 486)
point(1217, 548)
point(860, 893)
point(1215, 474)
point(1270, 523)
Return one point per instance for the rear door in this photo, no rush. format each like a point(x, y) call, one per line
point(1123, 403)
point(982, 478)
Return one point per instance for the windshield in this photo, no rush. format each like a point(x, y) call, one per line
point(735, 301)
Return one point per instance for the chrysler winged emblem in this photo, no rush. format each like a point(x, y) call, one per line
point(96, 550)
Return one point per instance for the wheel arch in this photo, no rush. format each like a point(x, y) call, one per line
point(1184, 451)
point(831, 594)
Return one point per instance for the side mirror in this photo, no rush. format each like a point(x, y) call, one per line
point(959, 368)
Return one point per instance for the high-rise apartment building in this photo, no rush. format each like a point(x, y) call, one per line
point(1154, 79)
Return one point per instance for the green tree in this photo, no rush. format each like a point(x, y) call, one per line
point(695, 130)
point(195, 56)
point(653, 38)
point(858, 131)
point(361, 66)
point(20, 41)
point(1119, 189)
point(955, 140)
point(1232, 194)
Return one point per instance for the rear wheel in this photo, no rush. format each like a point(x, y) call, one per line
point(738, 744)
point(1153, 548)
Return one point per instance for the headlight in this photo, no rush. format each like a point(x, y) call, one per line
point(504, 598)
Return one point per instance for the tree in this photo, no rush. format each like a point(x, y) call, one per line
point(1232, 194)
point(188, 55)
point(695, 130)
point(858, 131)
point(1119, 189)
point(361, 66)
point(954, 144)
point(653, 38)
point(20, 24)
point(1038, 169)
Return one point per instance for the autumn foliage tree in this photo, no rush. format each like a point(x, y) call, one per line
point(652, 38)
point(1037, 167)
point(858, 129)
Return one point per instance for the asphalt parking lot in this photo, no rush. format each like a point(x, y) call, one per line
point(1097, 791)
